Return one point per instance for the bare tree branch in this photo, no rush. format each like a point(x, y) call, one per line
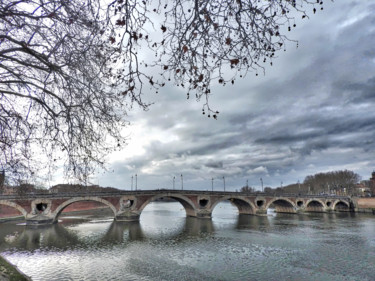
point(71, 70)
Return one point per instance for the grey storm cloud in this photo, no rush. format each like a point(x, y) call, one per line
point(313, 111)
point(218, 164)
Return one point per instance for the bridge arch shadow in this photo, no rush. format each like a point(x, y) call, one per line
point(314, 205)
point(243, 205)
point(341, 206)
point(69, 202)
point(282, 205)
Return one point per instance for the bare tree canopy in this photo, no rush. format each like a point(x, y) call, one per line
point(332, 181)
point(71, 70)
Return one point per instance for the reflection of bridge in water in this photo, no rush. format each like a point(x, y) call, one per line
point(58, 236)
point(128, 205)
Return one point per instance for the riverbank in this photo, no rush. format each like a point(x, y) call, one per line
point(366, 205)
point(9, 272)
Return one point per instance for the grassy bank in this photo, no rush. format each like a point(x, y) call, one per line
point(10, 272)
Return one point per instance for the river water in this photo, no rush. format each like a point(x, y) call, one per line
point(165, 245)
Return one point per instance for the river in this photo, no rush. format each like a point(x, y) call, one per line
point(166, 245)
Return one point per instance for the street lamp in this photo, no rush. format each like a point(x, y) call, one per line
point(261, 181)
point(182, 182)
point(224, 183)
point(174, 178)
point(132, 184)
point(135, 181)
point(212, 184)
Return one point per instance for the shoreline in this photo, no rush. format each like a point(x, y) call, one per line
point(9, 271)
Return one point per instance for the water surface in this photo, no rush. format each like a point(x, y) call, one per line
point(166, 245)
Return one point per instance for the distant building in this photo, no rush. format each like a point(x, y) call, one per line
point(362, 189)
point(372, 183)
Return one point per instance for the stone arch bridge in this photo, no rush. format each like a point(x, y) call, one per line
point(128, 205)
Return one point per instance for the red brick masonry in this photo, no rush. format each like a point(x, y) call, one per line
point(6, 211)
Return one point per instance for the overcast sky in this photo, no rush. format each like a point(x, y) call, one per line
point(313, 111)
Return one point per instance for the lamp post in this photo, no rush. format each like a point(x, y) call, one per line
point(136, 181)
point(212, 184)
point(182, 182)
point(261, 181)
point(224, 183)
point(132, 184)
point(174, 178)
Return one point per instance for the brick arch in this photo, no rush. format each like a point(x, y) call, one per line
point(316, 200)
point(243, 205)
point(340, 201)
point(65, 204)
point(291, 205)
point(14, 205)
point(188, 205)
point(314, 205)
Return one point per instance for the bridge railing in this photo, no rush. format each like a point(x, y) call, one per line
point(159, 191)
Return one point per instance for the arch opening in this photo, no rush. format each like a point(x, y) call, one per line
point(163, 216)
point(281, 206)
point(184, 201)
point(342, 207)
point(260, 203)
point(41, 207)
point(243, 207)
point(225, 210)
point(203, 202)
point(128, 203)
point(299, 203)
point(85, 208)
point(329, 203)
point(314, 206)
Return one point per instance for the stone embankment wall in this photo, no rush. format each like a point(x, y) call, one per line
point(9, 212)
point(366, 205)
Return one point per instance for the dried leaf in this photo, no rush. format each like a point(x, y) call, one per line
point(234, 61)
point(120, 22)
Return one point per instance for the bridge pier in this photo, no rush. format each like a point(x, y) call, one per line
point(203, 214)
point(39, 220)
point(128, 216)
point(257, 212)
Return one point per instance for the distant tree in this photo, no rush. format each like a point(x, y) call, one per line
point(336, 181)
point(268, 190)
point(71, 70)
point(247, 189)
point(24, 188)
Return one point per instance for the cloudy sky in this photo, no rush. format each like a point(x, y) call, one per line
point(313, 111)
